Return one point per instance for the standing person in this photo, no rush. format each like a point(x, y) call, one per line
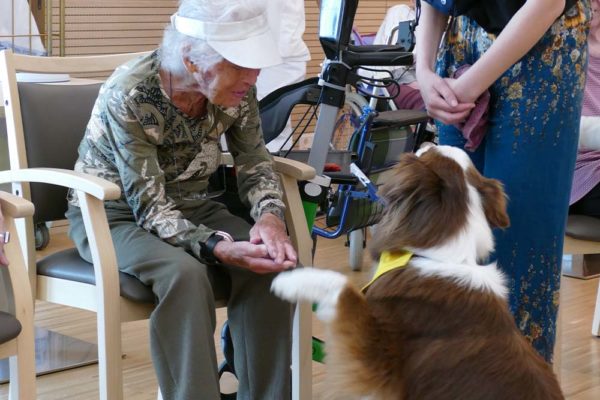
point(531, 55)
point(287, 22)
point(585, 192)
point(154, 131)
point(393, 16)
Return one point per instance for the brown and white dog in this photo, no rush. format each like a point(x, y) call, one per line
point(440, 327)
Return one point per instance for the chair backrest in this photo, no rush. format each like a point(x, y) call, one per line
point(56, 118)
point(45, 122)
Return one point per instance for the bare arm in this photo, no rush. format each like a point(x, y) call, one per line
point(522, 32)
point(440, 100)
point(429, 33)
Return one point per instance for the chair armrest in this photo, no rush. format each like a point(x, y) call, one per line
point(92, 185)
point(296, 169)
point(293, 168)
point(15, 206)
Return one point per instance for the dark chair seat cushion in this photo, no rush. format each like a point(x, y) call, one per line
point(583, 227)
point(10, 327)
point(67, 264)
point(400, 117)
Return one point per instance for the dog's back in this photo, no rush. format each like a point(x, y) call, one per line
point(429, 338)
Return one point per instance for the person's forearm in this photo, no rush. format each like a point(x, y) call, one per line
point(428, 36)
point(523, 31)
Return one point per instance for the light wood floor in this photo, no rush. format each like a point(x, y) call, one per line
point(580, 352)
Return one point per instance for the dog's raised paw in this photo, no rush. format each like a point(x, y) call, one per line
point(307, 284)
point(315, 285)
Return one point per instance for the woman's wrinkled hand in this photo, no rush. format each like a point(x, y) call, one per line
point(440, 99)
point(270, 230)
point(252, 256)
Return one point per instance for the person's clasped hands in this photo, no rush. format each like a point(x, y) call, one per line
point(269, 249)
point(445, 98)
point(454, 101)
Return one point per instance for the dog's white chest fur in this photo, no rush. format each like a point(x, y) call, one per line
point(476, 277)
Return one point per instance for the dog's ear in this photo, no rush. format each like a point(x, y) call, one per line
point(429, 177)
point(493, 198)
point(425, 203)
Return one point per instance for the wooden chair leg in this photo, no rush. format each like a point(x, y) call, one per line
point(22, 368)
point(108, 307)
point(596, 320)
point(110, 368)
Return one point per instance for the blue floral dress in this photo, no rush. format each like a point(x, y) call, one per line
point(530, 146)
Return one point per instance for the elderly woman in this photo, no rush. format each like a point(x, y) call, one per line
point(154, 131)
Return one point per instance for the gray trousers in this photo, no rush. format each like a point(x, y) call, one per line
point(183, 323)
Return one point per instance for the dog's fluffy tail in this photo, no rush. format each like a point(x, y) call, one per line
point(355, 338)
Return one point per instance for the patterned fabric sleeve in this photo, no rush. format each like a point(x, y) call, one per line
point(143, 180)
point(258, 184)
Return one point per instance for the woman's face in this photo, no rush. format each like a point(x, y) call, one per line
point(226, 84)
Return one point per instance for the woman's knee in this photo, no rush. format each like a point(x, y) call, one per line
point(185, 273)
point(185, 296)
point(247, 283)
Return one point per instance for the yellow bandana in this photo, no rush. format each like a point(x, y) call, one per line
point(388, 262)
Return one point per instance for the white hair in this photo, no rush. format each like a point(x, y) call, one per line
point(176, 45)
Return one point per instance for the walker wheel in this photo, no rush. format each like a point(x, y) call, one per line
point(42, 236)
point(356, 244)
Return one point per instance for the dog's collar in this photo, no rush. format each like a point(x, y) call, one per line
point(389, 261)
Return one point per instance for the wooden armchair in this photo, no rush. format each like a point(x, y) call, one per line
point(16, 331)
point(45, 124)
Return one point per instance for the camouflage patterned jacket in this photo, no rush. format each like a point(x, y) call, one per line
point(162, 159)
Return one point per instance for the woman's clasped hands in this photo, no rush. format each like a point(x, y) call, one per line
point(269, 249)
point(447, 100)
